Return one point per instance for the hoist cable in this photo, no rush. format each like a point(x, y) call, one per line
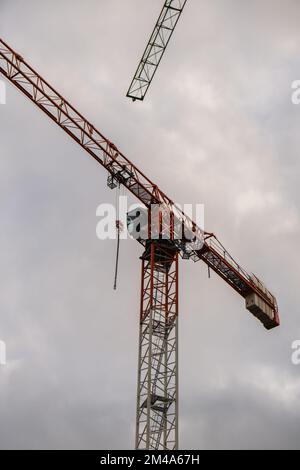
point(118, 228)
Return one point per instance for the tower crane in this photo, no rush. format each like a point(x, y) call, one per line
point(155, 48)
point(157, 388)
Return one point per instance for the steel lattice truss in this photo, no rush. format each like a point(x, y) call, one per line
point(123, 171)
point(157, 405)
point(156, 48)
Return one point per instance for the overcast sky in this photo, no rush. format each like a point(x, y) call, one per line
point(217, 127)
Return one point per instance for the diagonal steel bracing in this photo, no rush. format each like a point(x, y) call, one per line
point(155, 49)
point(157, 393)
point(122, 171)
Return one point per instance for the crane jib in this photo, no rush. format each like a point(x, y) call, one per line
point(258, 299)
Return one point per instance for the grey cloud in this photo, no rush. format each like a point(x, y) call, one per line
point(217, 127)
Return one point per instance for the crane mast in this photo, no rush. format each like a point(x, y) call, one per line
point(155, 48)
point(157, 393)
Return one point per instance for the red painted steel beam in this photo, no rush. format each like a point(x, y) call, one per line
point(59, 110)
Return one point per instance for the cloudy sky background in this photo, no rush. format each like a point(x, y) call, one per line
point(217, 127)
